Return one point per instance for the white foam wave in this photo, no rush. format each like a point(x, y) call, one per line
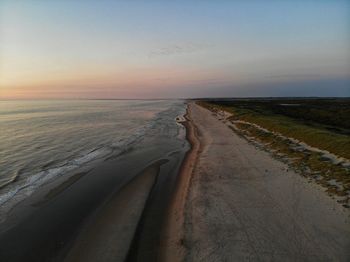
point(32, 182)
point(20, 191)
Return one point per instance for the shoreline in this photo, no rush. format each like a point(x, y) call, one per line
point(174, 249)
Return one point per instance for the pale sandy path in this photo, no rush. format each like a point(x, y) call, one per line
point(244, 205)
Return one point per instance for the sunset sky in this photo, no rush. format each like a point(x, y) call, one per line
point(174, 49)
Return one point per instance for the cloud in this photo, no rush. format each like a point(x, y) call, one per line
point(193, 82)
point(331, 87)
point(293, 76)
point(177, 49)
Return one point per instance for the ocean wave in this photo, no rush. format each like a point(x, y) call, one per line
point(30, 182)
point(33, 181)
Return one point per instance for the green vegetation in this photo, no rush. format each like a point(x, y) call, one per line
point(320, 131)
point(332, 113)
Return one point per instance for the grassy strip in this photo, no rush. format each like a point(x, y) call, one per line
point(335, 178)
point(323, 139)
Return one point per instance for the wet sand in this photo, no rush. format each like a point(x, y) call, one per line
point(173, 234)
point(239, 204)
point(108, 234)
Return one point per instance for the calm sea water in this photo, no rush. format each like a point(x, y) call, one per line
point(41, 140)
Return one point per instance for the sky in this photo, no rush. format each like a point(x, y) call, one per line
point(174, 49)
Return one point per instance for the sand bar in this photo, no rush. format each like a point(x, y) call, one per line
point(107, 236)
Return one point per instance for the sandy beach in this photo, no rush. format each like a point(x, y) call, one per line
point(222, 200)
point(236, 203)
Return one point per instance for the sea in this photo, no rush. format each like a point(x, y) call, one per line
point(43, 140)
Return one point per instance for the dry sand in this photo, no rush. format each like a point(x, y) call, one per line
point(237, 203)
